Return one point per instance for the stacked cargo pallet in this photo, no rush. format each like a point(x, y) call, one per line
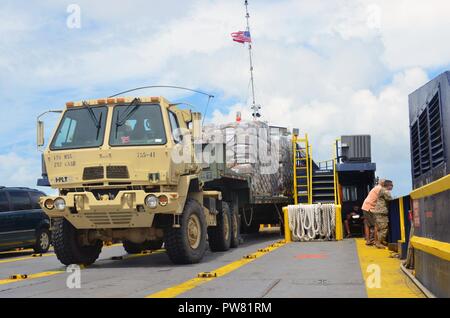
point(252, 150)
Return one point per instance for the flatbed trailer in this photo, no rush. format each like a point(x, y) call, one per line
point(236, 189)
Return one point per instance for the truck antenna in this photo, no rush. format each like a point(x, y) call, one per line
point(210, 96)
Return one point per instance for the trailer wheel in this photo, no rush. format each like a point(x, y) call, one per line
point(187, 243)
point(220, 235)
point(68, 248)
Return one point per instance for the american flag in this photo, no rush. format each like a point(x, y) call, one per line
point(241, 37)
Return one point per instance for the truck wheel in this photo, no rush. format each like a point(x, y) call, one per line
point(220, 235)
point(68, 248)
point(43, 239)
point(235, 229)
point(153, 245)
point(133, 248)
point(187, 243)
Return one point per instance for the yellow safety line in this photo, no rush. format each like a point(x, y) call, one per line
point(32, 276)
point(24, 258)
point(176, 290)
point(382, 274)
point(433, 247)
point(17, 259)
point(432, 188)
point(16, 251)
point(51, 273)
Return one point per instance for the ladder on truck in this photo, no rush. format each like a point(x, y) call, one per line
point(302, 169)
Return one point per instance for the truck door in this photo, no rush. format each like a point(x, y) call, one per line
point(177, 138)
point(21, 216)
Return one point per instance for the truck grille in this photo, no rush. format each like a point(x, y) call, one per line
point(109, 218)
point(117, 172)
point(93, 173)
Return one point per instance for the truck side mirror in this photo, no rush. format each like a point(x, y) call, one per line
point(196, 125)
point(40, 133)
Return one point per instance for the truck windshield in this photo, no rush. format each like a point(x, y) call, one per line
point(80, 128)
point(143, 126)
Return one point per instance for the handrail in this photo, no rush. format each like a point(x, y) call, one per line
point(327, 163)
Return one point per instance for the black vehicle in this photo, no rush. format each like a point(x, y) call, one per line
point(22, 222)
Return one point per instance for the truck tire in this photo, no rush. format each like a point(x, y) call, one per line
point(187, 243)
point(43, 239)
point(235, 229)
point(220, 235)
point(68, 250)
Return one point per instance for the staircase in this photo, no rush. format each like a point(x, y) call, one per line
point(324, 183)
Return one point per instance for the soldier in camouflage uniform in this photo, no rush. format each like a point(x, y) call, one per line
point(381, 212)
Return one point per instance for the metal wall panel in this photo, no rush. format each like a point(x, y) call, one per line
point(429, 115)
point(433, 273)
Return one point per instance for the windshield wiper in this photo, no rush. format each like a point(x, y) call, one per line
point(135, 103)
point(92, 115)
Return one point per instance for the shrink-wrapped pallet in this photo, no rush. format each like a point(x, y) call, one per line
point(251, 150)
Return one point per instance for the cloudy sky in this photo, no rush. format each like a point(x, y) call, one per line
point(328, 67)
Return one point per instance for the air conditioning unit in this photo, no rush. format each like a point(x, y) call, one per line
point(356, 148)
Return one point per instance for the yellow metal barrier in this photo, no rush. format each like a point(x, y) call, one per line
point(432, 188)
point(401, 209)
point(433, 247)
point(339, 230)
point(287, 230)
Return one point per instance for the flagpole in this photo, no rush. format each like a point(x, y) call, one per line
point(254, 107)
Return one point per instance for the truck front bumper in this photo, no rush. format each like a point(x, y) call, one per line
point(126, 210)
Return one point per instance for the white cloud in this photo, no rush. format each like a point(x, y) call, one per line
point(18, 170)
point(415, 33)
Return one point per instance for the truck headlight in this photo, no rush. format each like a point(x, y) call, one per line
point(60, 204)
point(151, 201)
point(49, 204)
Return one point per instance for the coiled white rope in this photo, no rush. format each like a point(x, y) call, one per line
point(309, 222)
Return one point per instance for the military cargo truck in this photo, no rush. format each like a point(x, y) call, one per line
point(127, 169)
